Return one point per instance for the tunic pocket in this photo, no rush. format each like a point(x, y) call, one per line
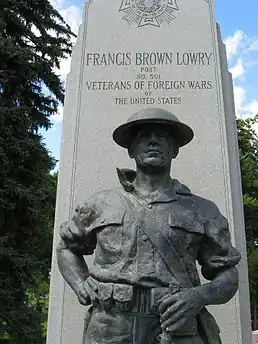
point(188, 222)
point(186, 232)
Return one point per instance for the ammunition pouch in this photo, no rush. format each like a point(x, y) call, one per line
point(123, 297)
point(109, 295)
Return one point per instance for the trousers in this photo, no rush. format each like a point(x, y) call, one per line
point(111, 327)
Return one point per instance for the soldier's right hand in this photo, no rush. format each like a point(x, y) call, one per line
point(83, 295)
point(88, 292)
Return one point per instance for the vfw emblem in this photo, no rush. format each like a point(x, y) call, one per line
point(149, 12)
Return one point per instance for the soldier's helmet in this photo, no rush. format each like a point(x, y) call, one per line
point(125, 133)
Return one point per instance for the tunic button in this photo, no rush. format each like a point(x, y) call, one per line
point(144, 237)
point(149, 206)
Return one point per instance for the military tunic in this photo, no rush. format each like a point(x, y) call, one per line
point(111, 226)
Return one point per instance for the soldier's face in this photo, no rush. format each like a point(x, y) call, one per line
point(153, 148)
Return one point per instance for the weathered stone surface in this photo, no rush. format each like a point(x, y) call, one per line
point(120, 65)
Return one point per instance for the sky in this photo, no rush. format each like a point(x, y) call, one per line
point(238, 24)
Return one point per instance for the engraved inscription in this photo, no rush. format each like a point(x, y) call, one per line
point(149, 59)
point(150, 81)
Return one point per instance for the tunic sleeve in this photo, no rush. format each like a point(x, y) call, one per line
point(216, 253)
point(76, 233)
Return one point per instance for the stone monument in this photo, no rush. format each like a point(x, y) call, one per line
point(132, 55)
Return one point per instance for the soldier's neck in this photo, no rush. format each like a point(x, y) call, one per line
point(148, 183)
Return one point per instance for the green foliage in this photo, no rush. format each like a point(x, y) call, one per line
point(38, 300)
point(33, 40)
point(38, 294)
point(248, 149)
point(253, 272)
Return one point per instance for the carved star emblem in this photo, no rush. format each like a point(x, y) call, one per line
point(149, 12)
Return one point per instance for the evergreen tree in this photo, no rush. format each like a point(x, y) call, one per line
point(248, 150)
point(39, 293)
point(33, 40)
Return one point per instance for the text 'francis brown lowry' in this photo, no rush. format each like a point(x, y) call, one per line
point(149, 59)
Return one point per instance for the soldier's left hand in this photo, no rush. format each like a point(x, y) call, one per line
point(176, 309)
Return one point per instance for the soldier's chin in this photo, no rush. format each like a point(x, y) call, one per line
point(154, 163)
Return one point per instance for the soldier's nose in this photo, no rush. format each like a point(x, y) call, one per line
point(153, 137)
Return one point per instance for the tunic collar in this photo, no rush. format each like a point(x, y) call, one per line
point(127, 177)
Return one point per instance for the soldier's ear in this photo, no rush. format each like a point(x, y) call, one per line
point(175, 149)
point(131, 151)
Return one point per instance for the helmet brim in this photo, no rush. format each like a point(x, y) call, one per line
point(124, 134)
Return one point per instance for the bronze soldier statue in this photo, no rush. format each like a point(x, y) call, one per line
point(147, 236)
